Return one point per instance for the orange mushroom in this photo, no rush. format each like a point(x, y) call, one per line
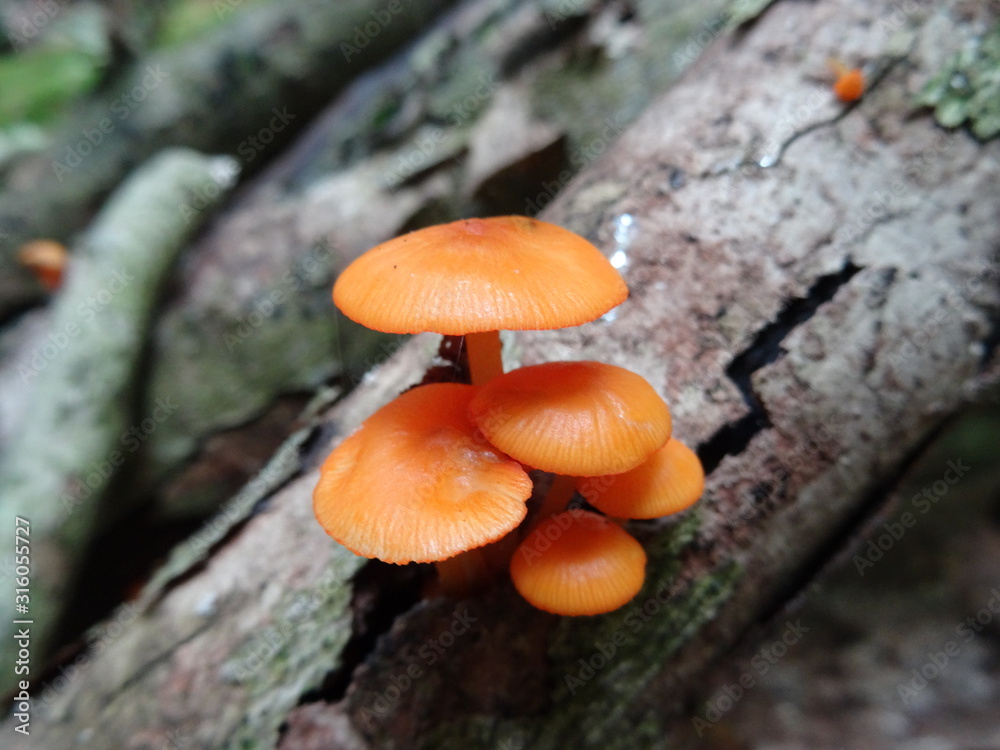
point(576, 418)
point(415, 484)
point(475, 277)
point(669, 481)
point(849, 85)
point(46, 259)
point(578, 563)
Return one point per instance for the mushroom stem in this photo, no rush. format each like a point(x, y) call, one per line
point(464, 573)
point(484, 356)
point(556, 499)
point(836, 66)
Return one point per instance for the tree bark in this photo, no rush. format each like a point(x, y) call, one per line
point(813, 289)
point(289, 56)
point(74, 426)
point(249, 318)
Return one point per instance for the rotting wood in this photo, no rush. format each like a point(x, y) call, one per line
point(860, 265)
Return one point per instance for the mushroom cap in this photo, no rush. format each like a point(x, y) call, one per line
point(578, 563)
point(576, 418)
point(850, 85)
point(416, 483)
point(669, 481)
point(474, 275)
point(46, 259)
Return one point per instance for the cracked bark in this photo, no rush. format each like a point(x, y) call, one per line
point(451, 126)
point(847, 294)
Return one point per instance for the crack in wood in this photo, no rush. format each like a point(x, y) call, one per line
point(382, 593)
point(733, 437)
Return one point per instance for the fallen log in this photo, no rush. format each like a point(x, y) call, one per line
point(813, 290)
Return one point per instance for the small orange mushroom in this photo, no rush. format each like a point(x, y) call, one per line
point(575, 418)
point(475, 277)
point(578, 563)
point(46, 259)
point(669, 481)
point(415, 483)
point(849, 85)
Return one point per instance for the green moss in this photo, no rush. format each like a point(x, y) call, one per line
point(280, 663)
point(36, 83)
point(599, 89)
point(188, 19)
point(598, 665)
point(387, 110)
point(968, 89)
point(230, 371)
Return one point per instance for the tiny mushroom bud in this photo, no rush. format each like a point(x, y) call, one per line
point(576, 418)
point(849, 85)
point(416, 483)
point(46, 259)
point(578, 563)
point(669, 481)
point(476, 276)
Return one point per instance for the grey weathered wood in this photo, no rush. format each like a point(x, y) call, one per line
point(74, 434)
point(810, 321)
point(249, 316)
point(213, 94)
point(452, 127)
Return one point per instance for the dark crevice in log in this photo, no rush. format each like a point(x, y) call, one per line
point(730, 439)
point(382, 592)
point(733, 437)
point(541, 40)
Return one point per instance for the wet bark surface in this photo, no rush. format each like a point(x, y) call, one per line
point(814, 291)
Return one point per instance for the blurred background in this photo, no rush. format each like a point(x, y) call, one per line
point(166, 323)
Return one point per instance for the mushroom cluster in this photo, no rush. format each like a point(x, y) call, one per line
point(463, 449)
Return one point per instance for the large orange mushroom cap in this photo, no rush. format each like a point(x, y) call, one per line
point(578, 563)
point(476, 275)
point(576, 418)
point(415, 483)
point(669, 481)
